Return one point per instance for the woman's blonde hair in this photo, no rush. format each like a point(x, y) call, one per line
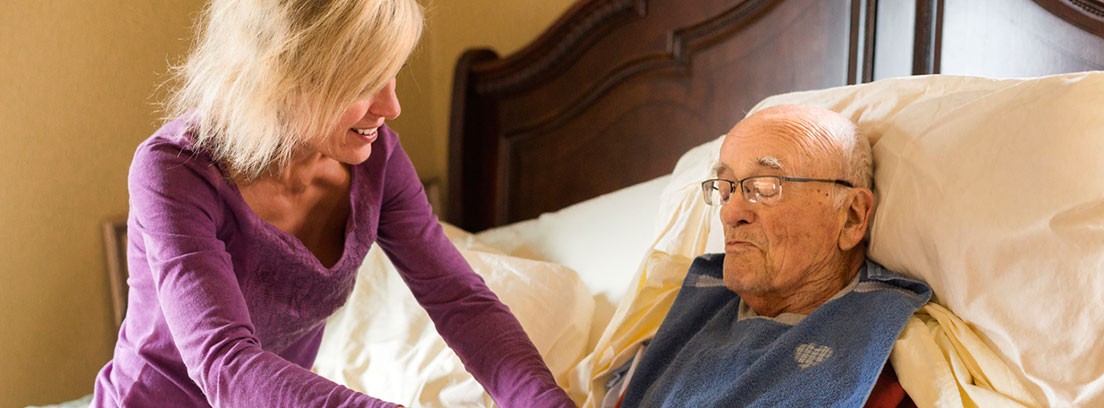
point(267, 76)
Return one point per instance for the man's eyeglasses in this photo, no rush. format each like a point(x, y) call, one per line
point(756, 189)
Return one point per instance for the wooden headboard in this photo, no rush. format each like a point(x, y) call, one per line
point(616, 90)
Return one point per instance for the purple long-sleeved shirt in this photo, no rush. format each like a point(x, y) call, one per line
point(227, 310)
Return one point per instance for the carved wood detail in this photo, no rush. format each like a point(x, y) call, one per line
point(558, 47)
point(682, 42)
point(1086, 14)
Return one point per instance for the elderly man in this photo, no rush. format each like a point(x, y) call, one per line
point(792, 314)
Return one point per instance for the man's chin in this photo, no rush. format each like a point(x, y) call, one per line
point(741, 282)
point(742, 276)
point(743, 263)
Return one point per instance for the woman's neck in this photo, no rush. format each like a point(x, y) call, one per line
point(303, 171)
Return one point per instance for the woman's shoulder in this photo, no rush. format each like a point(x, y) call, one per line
point(173, 140)
point(169, 159)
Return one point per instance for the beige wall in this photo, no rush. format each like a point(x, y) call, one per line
point(76, 90)
point(77, 80)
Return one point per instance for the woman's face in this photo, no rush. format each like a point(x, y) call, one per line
point(351, 140)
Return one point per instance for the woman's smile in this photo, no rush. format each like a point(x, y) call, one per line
point(367, 134)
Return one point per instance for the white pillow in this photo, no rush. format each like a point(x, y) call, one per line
point(992, 191)
point(383, 343)
point(603, 238)
point(686, 225)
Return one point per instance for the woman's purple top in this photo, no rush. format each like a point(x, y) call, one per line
point(227, 310)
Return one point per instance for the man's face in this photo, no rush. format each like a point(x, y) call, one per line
point(773, 250)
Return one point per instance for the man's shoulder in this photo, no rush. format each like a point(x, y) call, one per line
point(708, 264)
point(706, 271)
point(875, 277)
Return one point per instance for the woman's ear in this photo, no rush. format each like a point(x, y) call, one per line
point(856, 211)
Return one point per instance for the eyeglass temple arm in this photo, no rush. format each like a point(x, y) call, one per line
point(840, 182)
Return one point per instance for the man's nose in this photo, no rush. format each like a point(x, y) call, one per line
point(737, 211)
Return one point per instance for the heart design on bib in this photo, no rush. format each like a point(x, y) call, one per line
point(810, 354)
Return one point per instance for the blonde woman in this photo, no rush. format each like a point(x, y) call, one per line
point(251, 212)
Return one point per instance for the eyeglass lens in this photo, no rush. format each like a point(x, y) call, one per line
point(716, 192)
point(761, 189)
point(756, 190)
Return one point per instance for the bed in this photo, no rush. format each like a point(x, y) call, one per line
point(571, 165)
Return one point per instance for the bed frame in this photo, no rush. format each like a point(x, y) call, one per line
point(616, 90)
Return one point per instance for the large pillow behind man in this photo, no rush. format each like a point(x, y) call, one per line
point(992, 191)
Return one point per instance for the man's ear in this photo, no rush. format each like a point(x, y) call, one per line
point(856, 210)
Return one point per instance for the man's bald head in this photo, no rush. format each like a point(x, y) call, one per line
point(823, 134)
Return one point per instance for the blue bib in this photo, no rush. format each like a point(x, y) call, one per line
point(703, 356)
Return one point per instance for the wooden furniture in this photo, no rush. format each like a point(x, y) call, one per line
point(616, 90)
point(115, 244)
